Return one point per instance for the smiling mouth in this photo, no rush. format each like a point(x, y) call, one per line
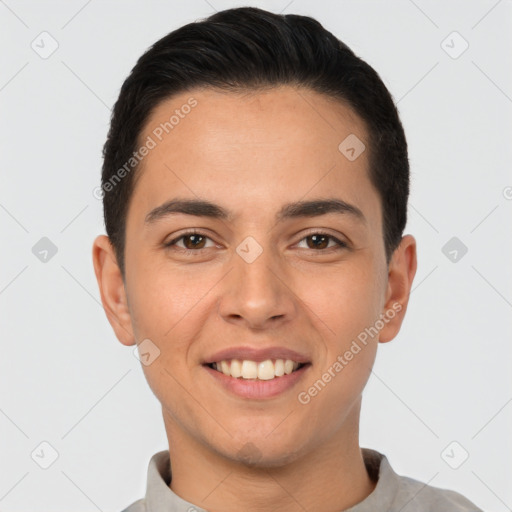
point(251, 370)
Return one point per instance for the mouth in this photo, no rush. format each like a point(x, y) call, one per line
point(257, 380)
point(252, 370)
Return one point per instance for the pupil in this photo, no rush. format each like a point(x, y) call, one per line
point(193, 244)
point(316, 239)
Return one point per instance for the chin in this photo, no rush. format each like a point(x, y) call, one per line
point(263, 452)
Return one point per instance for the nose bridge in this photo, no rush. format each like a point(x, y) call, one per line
point(255, 293)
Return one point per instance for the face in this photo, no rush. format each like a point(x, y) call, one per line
point(284, 252)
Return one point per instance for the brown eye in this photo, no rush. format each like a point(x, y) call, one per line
point(320, 241)
point(193, 241)
point(189, 242)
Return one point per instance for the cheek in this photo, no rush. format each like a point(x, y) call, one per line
point(161, 297)
point(348, 299)
point(346, 304)
point(169, 308)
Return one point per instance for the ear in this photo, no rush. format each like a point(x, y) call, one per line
point(112, 289)
point(401, 272)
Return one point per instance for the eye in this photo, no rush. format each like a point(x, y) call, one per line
point(320, 241)
point(195, 241)
point(192, 241)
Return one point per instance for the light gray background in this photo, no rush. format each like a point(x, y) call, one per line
point(64, 377)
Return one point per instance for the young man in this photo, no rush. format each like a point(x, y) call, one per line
point(255, 188)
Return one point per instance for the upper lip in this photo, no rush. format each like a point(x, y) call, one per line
point(256, 354)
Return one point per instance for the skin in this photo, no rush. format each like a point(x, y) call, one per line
point(251, 153)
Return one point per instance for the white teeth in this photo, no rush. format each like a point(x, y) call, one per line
point(249, 369)
point(264, 370)
point(288, 366)
point(224, 367)
point(279, 368)
point(235, 368)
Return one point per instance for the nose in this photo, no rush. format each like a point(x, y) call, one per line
point(257, 295)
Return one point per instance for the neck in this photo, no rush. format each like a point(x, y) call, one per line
point(327, 476)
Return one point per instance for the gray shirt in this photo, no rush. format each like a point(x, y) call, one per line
point(393, 493)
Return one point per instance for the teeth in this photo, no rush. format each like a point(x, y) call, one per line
point(279, 368)
point(249, 370)
point(265, 370)
point(235, 369)
point(288, 366)
point(224, 367)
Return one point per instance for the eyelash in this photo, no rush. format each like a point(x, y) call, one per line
point(340, 245)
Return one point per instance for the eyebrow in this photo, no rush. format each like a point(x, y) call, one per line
point(298, 209)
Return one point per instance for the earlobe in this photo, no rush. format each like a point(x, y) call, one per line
point(401, 272)
point(112, 289)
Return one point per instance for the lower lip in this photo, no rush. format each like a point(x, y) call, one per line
point(255, 388)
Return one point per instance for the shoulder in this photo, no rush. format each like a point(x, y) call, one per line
point(397, 493)
point(137, 506)
point(417, 496)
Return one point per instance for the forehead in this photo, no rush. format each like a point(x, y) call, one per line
point(252, 116)
point(252, 148)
